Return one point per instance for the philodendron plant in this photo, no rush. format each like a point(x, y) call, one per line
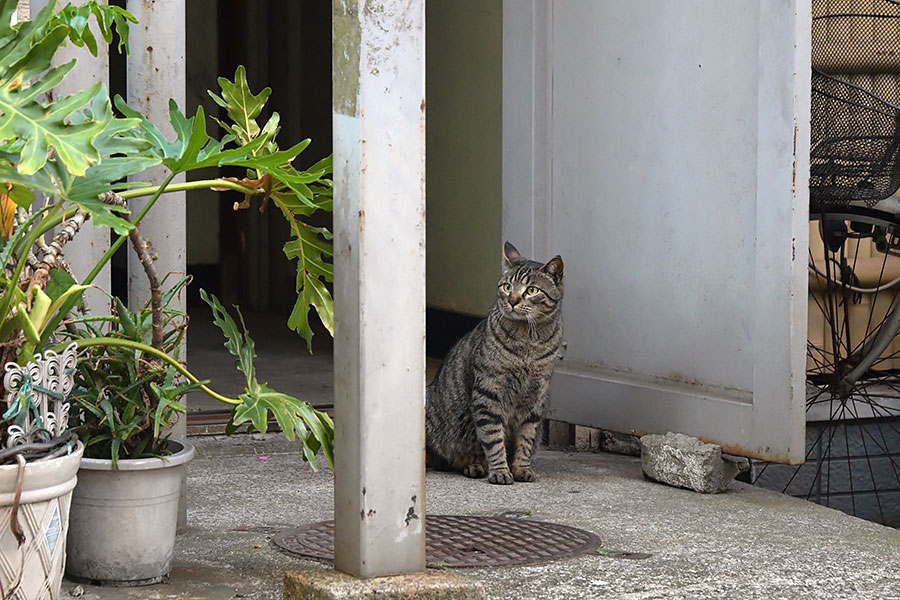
point(77, 153)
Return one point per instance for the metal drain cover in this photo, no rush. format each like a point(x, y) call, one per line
point(463, 541)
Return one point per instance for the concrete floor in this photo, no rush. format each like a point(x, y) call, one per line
point(747, 543)
point(283, 361)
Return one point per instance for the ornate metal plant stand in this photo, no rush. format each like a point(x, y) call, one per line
point(38, 467)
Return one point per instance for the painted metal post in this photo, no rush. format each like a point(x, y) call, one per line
point(85, 250)
point(156, 72)
point(379, 220)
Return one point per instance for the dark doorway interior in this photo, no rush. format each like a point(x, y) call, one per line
point(237, 255)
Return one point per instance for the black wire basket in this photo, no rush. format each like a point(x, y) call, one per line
point(855, 117)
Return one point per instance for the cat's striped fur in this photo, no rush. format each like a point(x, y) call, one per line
point(484, 406)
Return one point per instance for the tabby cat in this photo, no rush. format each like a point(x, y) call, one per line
point(484, 406)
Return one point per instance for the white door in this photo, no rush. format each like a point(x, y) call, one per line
point(662, 148)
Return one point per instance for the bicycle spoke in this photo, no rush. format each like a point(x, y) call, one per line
point(869, 463)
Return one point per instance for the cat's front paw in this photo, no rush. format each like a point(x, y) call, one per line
point(475, 471)
point(501, 477)
point(524, 474)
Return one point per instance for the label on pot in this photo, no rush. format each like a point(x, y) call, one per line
point(54, 528)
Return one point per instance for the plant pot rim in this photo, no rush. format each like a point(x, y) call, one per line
point(43, 479)
point(182, 456)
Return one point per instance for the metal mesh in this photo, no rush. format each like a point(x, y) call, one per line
point(463, 541)
point(855, 133)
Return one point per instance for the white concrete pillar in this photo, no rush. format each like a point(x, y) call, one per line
point(86, 249)
point(379, 221)
point(23, 11)
point(156, 72)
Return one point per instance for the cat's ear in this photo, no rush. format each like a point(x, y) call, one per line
point(554, 268)
point(511, 256)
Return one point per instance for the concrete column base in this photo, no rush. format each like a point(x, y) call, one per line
point(328, 584)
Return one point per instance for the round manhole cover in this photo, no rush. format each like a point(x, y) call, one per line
point(463, 541)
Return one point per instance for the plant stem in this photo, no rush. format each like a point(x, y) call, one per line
point(142, 250)
point(137, 221)
point(200, 184)
point(64, 310)
point(45, 225)
point(111, 341)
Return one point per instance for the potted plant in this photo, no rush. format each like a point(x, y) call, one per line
point(77, 153)
point(122, 404)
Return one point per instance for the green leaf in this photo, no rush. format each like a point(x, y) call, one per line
point(157, 145)
point(241, 104)
point(234, 340)
point(61, 128)
point(174, 290)
point(321, 299)
point(309, 248)
point(54, 180)
point(126, 322)
point(259, 402)
point(27, 325)
point(322, 428)
point(22, 196)
point(75, 291)
point(295, 418)
point(192, 147)
point(77, 18)
point(107, 16)
point(192, 132)
point(46, 127)
point(59, 283)
point(167, 402)
point(116, 446)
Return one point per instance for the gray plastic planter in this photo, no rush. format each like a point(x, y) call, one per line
point(122, 525)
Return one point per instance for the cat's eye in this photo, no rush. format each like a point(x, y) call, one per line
point(506, 288)
point(531, 290)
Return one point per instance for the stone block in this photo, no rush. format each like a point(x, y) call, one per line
point(582, 438)
point(595, 440)
point(683, 461)
point(620, 443)
point(328, 584)
point(560, 435)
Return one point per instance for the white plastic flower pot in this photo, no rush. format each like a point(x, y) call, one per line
point(34, 571)
point(123, 521)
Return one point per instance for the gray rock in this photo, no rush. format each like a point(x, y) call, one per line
point(620, 443)
point(683, 461)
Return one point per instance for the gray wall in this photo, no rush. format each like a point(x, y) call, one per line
point(201, 73)
point(463, 61)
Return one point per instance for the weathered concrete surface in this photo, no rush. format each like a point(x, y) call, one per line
point(746, 543)
point(328, 584)
point(684, 461)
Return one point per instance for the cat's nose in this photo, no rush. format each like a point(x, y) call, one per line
point(513, 300)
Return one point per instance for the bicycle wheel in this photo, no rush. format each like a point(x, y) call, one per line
point(853, 369)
